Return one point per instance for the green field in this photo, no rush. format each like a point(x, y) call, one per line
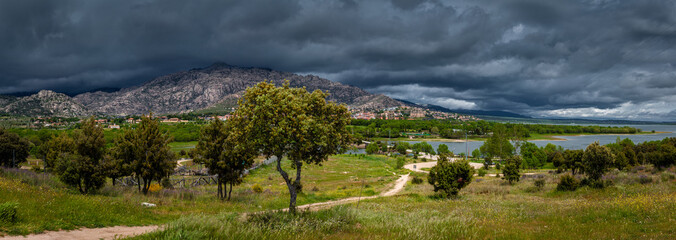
point(46, 204)
point(640, 204)
point(178, 146)
point(487, 208)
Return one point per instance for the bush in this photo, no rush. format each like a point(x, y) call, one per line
point(597, 159)
point(416, 180)
point(666, 177)
point(567, 183)
point(166, 183)
point(8, 212)
point(643, 179)
point(449, 177)
point(154, 187)
point(372, 148)
point(539, 183)
point(257, 188)
point(482, 172)
point(511, 169)
point(400, 162)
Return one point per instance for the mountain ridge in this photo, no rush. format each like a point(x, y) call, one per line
point(201, 88)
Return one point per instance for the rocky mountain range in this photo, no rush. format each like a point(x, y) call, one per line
point(206, 89)
point(43, 103)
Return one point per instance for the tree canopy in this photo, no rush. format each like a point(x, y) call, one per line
point(13, 148)
point(292, 123)
point(498, 144)
point(449, 177)
point(82, 166)
point(597, 159)
point(533, 156)
point(226, 153)
point(146, 151)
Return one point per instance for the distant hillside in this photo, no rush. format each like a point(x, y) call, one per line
point(214, 88)
point(465, 111)
point(43, 103)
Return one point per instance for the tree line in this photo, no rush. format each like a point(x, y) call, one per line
point(455, 129)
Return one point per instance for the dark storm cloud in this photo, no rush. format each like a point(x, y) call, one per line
point(585, 58)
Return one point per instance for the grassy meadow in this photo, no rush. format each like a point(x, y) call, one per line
point(640, 204)
point(633, 208)
point(46, 204)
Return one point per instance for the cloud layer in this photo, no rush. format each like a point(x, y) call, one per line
point(584, 58)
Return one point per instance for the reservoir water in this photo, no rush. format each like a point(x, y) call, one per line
point(571, 142)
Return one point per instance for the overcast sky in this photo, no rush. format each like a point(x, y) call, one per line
point(584, 58)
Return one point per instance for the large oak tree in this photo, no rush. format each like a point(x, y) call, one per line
point(292, 123)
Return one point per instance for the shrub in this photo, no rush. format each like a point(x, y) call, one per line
point(643, 179)
point(567, 183)
point(449, 177)
point(416, 180)
point(257, 188)
point(539, 183)
point(511, 169)
point(667, 177)
point(400, 162)
point(372, 148)
point(154, 187)
point(482, 172)
point(8, 212)
point(166, 183)
point(597, 159)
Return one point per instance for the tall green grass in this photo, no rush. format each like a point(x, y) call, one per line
point(486, 209)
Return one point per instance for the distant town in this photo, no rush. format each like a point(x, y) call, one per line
point(393, 113)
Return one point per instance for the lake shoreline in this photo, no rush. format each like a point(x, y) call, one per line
point(552, 137)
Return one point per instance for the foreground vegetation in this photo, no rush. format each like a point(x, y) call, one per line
point(488, 208)
point(44, 203)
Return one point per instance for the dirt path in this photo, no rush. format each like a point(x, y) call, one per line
point(417, 166)
point(88, 233)
point(398, 186)
point(124, 231)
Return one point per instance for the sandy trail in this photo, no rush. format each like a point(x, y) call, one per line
point(398, 186)
point(417, 166)
point(124, 231)
point(88, 233)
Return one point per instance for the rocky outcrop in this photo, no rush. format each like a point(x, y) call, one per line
point(217, 86)
point(43, 103)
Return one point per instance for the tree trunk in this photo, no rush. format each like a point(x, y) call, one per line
point(289, 184)
point(113, 181)
point(79, 186)
point(146, 186)
point(219, 190)
point(230, 191)
point(138, 182)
